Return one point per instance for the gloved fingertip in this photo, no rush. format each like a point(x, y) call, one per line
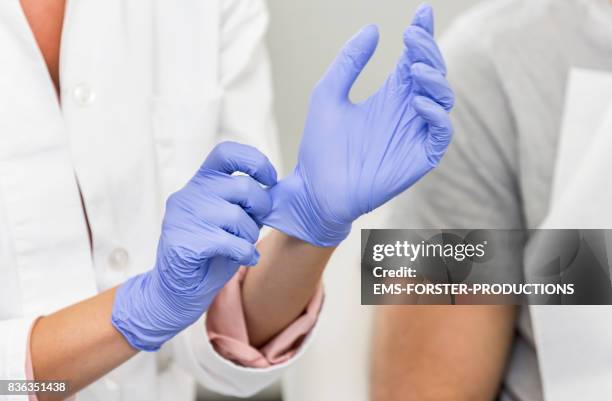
point(255, 258)
point(346, 67)
point(362, 45)
point(419, 69)
point(267, 208)
point(269, 175)
point(367, 33)
point(267, 178)
point(414, 34)
point(423, 105)
point(419, 101)
point(272, 177)
point(424, 73)
point(435, 115)
point(424, 18)
point(264, 172)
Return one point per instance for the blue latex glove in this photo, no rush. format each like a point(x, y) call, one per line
point(208, 231)
point(355, 157)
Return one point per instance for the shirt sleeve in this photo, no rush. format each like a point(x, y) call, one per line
point(227, 330)
point(219, 357)
point(14, 345)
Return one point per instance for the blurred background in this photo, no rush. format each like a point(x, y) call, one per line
point(303, 38)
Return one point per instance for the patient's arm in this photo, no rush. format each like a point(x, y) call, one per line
point(439, 353)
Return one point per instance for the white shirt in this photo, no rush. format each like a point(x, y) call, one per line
point(148, 87)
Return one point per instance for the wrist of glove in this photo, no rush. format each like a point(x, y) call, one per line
point(153, 318)
point(149, 310)
point(295, 212)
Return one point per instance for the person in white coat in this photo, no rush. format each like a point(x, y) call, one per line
point(95, 138)
point(108, 109)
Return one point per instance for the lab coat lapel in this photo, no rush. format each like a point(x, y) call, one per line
point(574, 351)
point(37, 184)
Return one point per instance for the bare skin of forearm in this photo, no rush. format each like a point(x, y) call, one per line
point(279, 288)
point(78, 344)
point(440, 353)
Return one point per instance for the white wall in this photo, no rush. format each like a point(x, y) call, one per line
point(304, 37)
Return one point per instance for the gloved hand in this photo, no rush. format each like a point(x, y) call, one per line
point(355, 157)
point(209, 231)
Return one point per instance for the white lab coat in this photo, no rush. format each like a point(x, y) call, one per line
point(148, 87)
point(573, 342)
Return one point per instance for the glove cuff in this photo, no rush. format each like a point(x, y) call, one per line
point(128, 314)
point(144, 312)
point(294, 214)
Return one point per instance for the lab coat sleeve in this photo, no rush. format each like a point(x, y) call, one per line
point(13, 350)
point(246, 110)
point(195, 353)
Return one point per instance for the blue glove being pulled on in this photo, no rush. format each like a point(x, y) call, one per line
point(209, 231)
point(354, 158)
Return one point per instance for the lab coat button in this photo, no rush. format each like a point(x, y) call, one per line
point(119, 258)
point(83, 94)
